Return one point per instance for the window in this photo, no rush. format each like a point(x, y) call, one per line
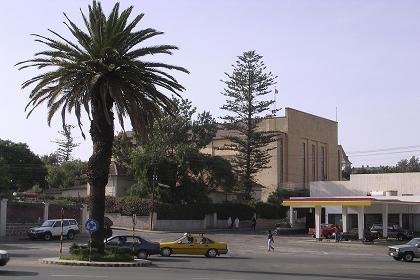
point(313, 163)
point(281, 161)
point(322, 162)
point(303, 157)
point(339, 165)
point(73, 222)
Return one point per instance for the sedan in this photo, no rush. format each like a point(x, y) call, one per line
point(142, 248)
point(4, 257)
point(190, 244)
point(353, 234)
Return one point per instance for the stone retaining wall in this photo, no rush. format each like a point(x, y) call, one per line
point(13, 230)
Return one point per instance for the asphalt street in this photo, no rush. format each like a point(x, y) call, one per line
point(295, 257)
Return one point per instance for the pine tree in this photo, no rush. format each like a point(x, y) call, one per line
point(246, 89)
point(66, 145)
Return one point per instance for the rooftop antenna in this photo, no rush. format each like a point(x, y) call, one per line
point(274, 111)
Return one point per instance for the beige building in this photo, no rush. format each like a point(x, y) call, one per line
point(306, 150)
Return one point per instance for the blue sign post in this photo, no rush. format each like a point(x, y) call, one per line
point(91, 226)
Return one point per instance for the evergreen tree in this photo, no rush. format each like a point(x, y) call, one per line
point(66, 145)
point(247, 103)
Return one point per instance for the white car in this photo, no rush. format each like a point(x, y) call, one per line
point(4, 257)
point(52, 228)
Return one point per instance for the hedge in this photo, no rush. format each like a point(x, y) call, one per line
point(182, 212)
point(244, 211)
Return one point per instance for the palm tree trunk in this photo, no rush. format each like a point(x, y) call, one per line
point(102, 133)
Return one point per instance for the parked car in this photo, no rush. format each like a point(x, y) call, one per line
point(353, 234)
point(394, 231)
point(190, 244)
point(142, 248)
point(52, 228)
point(4, 257)
point(327, 230)
point(407, 251)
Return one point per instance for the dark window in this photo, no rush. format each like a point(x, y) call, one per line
point(322, 161)
point(304, 162)
point(313, 163)
point(281, 160)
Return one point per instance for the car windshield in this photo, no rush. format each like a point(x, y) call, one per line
point(413, 242)
point(47, 224)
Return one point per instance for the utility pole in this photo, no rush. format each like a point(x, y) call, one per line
point(154, 180)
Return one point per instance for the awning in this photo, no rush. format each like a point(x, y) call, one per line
point(349, 201)
point(327, 201)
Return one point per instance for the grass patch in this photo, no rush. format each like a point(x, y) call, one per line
point(81, 253)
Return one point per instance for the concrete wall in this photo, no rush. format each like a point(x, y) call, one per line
point(362, 184)
point(180, 225)
point(18, 229)
point(142, 222)
point(75, 192)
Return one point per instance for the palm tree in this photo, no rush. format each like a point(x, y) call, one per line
point(101, 74)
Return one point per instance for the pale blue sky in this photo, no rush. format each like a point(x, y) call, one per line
point(360, 56)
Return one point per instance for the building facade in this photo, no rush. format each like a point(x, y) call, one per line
point(306, 150)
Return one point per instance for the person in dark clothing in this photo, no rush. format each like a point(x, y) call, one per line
point(253, 223)
point(270, 241)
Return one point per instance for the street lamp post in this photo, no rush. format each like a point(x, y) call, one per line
point(154, 180)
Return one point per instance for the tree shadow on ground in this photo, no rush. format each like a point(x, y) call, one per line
point(17, 273)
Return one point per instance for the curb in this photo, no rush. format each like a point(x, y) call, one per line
point(137, 263)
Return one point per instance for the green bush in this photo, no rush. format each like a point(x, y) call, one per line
point(241, 210)
point(81, 253)
point(270, 211)
point(182, 212)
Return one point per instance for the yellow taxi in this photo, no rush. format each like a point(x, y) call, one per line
point(193, 244)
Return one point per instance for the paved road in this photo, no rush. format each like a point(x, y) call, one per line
point(294, 258)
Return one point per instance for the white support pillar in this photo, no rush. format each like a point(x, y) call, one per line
point(361, 221)
point(85, 216)
point(400, 219)
point(291, 217)
point(46, 209)
point(344, 213)
point(3, 216)
point(318, 222)
point(385, 220)
point(326, 216)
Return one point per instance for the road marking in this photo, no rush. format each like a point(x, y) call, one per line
point(78, 276)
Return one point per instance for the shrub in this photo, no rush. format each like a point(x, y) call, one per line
point(240, 210)
point(270, 211)
point(182, 212)
point(81, 253)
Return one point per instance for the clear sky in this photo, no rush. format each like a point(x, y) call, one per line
point(360, 56)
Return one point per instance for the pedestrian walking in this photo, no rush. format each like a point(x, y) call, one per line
point(337, 234)
point(253, 222)
point(237, 223)
point(270, 241)
point(229, 222)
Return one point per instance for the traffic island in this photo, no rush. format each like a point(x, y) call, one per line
point(58, 261)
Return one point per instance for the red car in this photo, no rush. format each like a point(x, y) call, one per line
point(327, 230)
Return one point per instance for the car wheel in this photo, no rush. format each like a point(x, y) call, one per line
point(70, 235)
point(397, 258)
point(47, 236)
point(166, 252)
point(212, 253)
point(408, 257)
point(142, 255)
